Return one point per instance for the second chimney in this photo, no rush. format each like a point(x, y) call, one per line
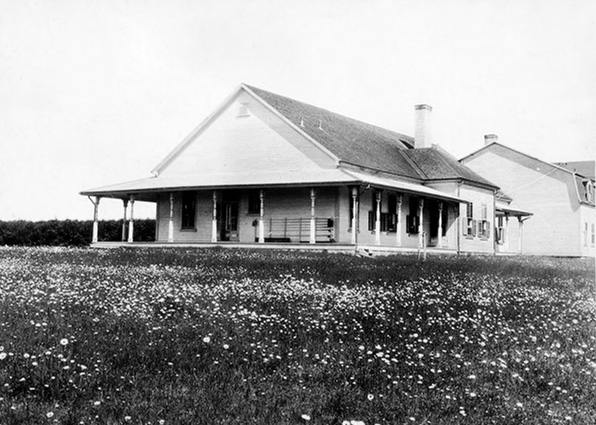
point(422, 132)
point(490, 138)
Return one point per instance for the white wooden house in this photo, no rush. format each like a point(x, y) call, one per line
point(264, 168)
point(559, 197)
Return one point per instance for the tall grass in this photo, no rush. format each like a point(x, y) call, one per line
point(234, 337)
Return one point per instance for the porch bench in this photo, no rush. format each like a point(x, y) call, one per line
point(276, 239)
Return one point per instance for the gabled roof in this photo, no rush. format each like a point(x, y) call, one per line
point(583, 168)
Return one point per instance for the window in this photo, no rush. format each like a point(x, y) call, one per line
point(351, 204)
point(586, 234)
point(593, 234)
point(469, 227)
point(389, 219)
point(189, 207)
point(500, 231)
point(413, 220)
point(254, 202)
point(484, 224)
point(589, 190)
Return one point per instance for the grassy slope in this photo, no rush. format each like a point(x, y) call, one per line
point(219, 336)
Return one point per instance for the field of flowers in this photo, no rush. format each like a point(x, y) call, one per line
point(218, 336)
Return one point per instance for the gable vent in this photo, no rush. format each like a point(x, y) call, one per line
point(243, 110)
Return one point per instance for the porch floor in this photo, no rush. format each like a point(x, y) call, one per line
point(328, 247)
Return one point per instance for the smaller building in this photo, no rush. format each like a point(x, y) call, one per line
point(560, 197)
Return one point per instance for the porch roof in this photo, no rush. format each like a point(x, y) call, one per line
point(403, 186)
point(504, 208)
point(148, 188)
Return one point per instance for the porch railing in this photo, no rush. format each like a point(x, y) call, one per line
point(289, 229)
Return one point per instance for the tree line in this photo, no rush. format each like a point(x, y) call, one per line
point(70, 232)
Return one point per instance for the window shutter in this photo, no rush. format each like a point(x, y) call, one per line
point(371, 220)
point(464, 226)
point(412, 223)
point(474, 227)
point(488, 229)
point(393, 223)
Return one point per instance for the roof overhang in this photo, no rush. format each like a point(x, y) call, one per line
point(148, 189)
point(506, 209)
point(406, 187)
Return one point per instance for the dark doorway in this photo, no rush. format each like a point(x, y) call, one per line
point(228, 216)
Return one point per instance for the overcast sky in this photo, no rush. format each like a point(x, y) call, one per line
point(98, 92)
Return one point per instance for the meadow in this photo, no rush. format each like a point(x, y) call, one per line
point(216, 336)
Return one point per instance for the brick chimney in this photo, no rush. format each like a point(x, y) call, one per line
point(490, 138)
point(423, 133)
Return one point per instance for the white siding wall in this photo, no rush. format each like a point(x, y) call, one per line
point(204, 211)
point(537, 188)
point(478, 197)
point(236, 144)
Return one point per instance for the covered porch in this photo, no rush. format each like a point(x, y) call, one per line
point(358, 210)
point(509, 228)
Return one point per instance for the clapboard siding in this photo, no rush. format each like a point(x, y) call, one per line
point(204, 211)
point(255, 142)
point(547, 192)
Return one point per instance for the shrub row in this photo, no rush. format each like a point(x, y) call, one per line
point(69, 232)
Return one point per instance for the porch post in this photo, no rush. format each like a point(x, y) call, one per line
point(171, 220)
point(506, 232)
point(440, 230)
point(521, 234)
point(313, 222)
point(95, 220)
point(421, 222)
point(378, 219)
point(398, 225)
point(131, 223)
point(261, 219)
point(354, 207)
point(125, 203)
point(214, 218)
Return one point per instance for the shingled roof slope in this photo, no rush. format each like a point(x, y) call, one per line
point(367, 145)
point(437, 164)
point(585, 168)
point(352, 141)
